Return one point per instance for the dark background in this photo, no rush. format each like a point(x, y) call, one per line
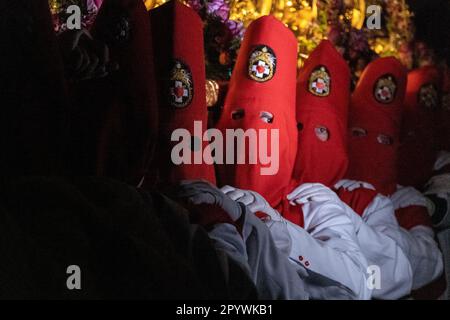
point(432, 21)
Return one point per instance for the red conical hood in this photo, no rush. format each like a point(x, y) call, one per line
point(177, 33)
point(418, 143)
point(114, 127)
point(323, 93)
point(261, 97)
point(375, 119)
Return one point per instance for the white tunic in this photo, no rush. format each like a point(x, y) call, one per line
point(328, 250)
point(269, 268)
point(374, 228)
point(419, 245)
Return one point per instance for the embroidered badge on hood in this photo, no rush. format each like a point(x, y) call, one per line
point(385, 89)
point(319, 82)
point(262, 64)
point(428, 96)
point(181, 86)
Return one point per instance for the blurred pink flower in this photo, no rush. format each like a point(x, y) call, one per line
point(335, 35)
point(358, 41)
point(219, 8)
point(236, 28)
point(98, 3)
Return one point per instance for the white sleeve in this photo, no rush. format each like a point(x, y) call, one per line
point(227, 239)
point(391, 273)
point(418, 243)
point(327, 248)
point(380, 214)
point(272, 273)
point(424, 254)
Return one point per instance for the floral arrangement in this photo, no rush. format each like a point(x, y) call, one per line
point(350, 41)
point(222, 35)
point(89, 10)
point(360, 46)
point(310, 20)
point(396, 36)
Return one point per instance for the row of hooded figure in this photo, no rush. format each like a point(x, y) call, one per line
point(341, 217)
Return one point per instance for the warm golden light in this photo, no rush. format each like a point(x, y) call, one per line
point(309, 25)
point(359, 14)
point(149, 4)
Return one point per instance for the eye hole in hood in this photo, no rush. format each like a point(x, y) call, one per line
point(266, 117)
point(359, 132)
point(237, 114)
point(322, 133)
point(385, 139)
